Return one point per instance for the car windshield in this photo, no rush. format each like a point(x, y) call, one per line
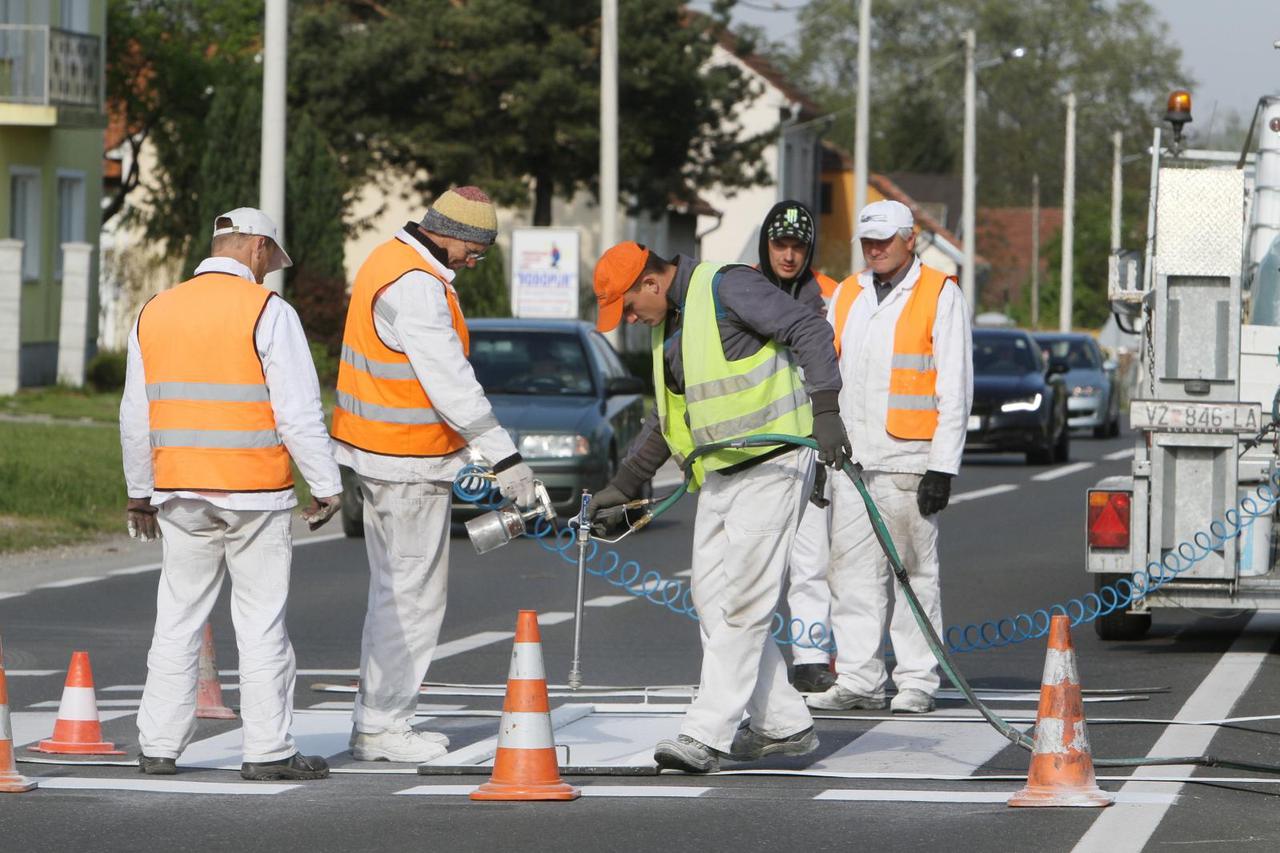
point(514, 362)
point(1003, 355)
point(1077, 354)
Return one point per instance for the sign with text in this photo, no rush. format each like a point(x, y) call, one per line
point(544, 272)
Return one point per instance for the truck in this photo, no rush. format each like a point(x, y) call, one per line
point(1192, 525)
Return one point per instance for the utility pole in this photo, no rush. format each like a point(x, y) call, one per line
point(968, 277)
point(1066, 299)
point(1117, 193)
point(1035, 251)
point(609, 134)
point(275, 41)
point(862, 127)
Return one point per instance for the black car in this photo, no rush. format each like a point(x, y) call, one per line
point(559, 389)
point(1019, 400)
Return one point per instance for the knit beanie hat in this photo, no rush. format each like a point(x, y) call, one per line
point(465, 213)
point(791, 221)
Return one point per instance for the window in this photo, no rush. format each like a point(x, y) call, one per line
point(70, 215)
point(609, 361)
point(74, 16)
point(530, 362)
point(24, 217)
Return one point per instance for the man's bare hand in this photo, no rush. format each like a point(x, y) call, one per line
point(140, 516)
point(320, 510)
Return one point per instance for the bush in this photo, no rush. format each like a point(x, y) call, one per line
point(321, 303)
point(326, 364)
point(105, 371)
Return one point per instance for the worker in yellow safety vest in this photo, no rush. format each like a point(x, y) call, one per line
point(727, 346)
point(906, 363)
point(220, 394)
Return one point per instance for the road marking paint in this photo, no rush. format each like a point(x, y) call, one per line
point(31, 726)
point(235, 673)
point(424, 710)
point(483, 752)
point(156, 786)
point(1215, 697)
point(554, 617)
point(4, 595)
point(135, 570)
point(607, 600)
point(467, 644)
point(316, 733)
point(983, 493)
point(1064, 471)
point(1001, 797)
point(101, 703)
point(678, 791)
point(62, 584)
point(687, 573)
point(1119, 454)
point(903, 747)
point(32, 672)
point(645, 588)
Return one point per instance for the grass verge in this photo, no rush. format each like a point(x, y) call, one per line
point(63, 402)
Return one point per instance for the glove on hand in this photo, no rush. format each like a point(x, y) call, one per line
point(515, 480)
point(140, 517)
point(933, 493)
point(320, 510)
point(609, 496)
point(833, 442)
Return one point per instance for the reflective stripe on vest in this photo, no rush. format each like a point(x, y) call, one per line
point(913, 376)
point(724, 399)
point(381, 405)
point(212, 426)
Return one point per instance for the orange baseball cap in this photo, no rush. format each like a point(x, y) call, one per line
point(616, 271)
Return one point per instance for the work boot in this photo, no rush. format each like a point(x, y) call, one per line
point(749, 744)
point(911, 701)
point(812, 677)
point(685, 753)
point(400, 743)
point(842, 699)
point(295, 767)
point(158, 766)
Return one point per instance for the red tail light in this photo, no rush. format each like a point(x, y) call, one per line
point(1108, 523)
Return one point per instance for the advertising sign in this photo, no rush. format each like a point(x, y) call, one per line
point(544, 272)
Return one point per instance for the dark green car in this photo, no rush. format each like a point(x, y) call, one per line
point(559, 389)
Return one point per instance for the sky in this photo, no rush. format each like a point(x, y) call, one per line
point(1226, 45)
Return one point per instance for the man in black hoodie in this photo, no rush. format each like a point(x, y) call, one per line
point(787, 239)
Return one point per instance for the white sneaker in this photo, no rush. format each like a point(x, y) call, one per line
point(398, 744)
point(911, 701)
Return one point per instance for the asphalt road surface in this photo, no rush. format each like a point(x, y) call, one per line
point(1012, 540)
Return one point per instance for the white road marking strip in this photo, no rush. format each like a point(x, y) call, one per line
point(32, 726)
point(137, 688)
point(644, 587)
point(316, 733)
point(554, 617)
point(679, 791)
point(907, 796)
point(135, 570)
point(68, 582)
point(1215, 697)
point(483, 751)
point(901, 747)
point(1119, 454)
point(687, 573)
point(155, 786)
point(102, 703)
point(607, 600)
point(983, 493)
point(4, 595)
point(235, 673)
point(467, 644)
point(33, 672)
point(1064, 471)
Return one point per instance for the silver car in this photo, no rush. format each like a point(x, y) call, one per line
point(1093, 400)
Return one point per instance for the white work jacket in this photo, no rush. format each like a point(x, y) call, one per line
point(295, 402)
point(866, 354)
point(422, 329)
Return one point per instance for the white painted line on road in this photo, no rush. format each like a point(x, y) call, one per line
point(4, 595)
point(67, 582)
point(687, 573)
point(438, 790)
point(33, 672)
point(102, 703)
point(1064, 471)
point(902, 747)
point(907, 796)
point(554, 617)
point(983, 493)
point(646, 588)
point(467, 644)
point(135, 570)
point(137, 688)
point(677, 791)
point(1215, 697)
point(1119, 454)
point(607, 600)
point(234, 673)
point(155, 786)
point(484, 751)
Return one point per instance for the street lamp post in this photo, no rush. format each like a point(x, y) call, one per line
point(271, 177)
point(1065, 302)
point(609, 133)
point(862, 128)
point(968, 279)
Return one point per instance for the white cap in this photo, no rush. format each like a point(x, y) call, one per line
point(250, 220)
point(880, 220)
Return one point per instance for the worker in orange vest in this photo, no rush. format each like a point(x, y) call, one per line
point(220, 394)
point(906, 363)
point(409, 413)
point(788, 238)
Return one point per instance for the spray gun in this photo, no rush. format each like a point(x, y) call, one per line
point(495, 529)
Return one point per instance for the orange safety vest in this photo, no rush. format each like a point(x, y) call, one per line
point(212, 427)
point(381, 406)
point(913, 377)
point(826, 284)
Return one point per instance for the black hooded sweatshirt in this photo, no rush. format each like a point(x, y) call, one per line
point(804, 287)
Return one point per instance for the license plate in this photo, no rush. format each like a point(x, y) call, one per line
point(975, 423)
point(1195, 417)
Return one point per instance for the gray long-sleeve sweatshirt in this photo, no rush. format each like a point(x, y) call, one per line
point(751, 310)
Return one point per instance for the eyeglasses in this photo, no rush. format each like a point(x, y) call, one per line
point(475, 256)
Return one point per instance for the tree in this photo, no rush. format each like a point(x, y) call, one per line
point(483, 292)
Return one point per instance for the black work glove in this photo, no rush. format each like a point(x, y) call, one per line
point(609, 496)
point(833, 441)
point(934, 492)
point(818, 495)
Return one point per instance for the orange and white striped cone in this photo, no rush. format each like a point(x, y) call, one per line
point(1061, 771)
point(525, 767)
point(77, 730)
point(11, 781)
point(209, 690)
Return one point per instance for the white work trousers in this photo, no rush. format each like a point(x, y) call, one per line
point(742, 536)
point(860, 581)
point(256, 548)
point(809, 596)
point(406, 535)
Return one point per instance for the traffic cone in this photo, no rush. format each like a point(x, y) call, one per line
point(77, 730)
point(525, 767)
point(11, 781)
point(1061, 771)
point(209, 691)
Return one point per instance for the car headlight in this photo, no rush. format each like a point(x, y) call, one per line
point(553, 445)
point(1085, 391)
point(1022, 404)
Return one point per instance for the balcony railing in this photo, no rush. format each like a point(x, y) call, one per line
point(46, 66)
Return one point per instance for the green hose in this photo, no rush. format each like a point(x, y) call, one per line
point(947, 665)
